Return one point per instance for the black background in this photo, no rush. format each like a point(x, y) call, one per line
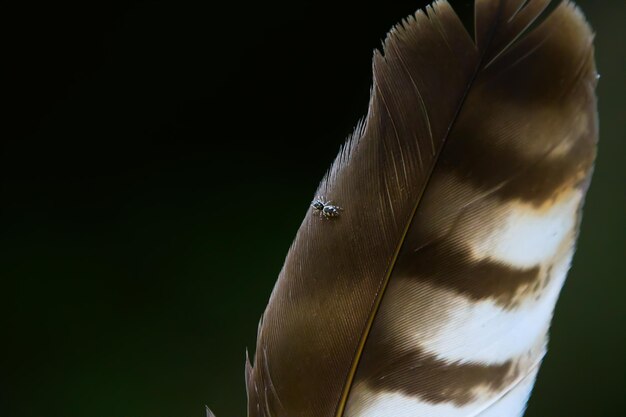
point(158, 158)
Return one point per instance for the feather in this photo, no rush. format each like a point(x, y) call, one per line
point(430, 289)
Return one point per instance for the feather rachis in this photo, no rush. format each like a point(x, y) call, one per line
point(459, 225)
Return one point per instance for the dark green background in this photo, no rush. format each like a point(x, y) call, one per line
point(158, 159)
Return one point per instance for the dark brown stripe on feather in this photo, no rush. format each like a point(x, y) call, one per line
point(489, 165)
point(453, 268)
point(424, 376)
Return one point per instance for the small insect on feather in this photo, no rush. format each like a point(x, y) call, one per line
point(325, 209)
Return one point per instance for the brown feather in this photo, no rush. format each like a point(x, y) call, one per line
point(457, 135)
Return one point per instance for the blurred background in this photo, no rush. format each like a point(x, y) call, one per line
point(157, 161)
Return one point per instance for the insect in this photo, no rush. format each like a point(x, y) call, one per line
point(325, 208)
